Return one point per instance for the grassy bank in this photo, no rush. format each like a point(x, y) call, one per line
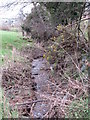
point(8, 40)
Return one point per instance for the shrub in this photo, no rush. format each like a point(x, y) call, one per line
point(5, 28)
point(38, 23)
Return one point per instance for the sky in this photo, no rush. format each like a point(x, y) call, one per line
point(13, 11)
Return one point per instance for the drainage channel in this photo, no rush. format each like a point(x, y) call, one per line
point(41, 78)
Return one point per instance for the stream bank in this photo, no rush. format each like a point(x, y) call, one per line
point(36, 93)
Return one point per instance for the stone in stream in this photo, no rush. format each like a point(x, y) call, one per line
point(34, 86)
point(32, 77)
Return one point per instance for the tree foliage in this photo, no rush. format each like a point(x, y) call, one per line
point(64, 12)
point(45, 16)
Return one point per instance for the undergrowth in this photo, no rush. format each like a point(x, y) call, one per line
point(5, 110)
point(68, 63)
point(79, 109)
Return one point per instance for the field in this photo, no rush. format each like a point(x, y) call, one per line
point(8, 40)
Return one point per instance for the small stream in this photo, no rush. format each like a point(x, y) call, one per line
point(41, 78)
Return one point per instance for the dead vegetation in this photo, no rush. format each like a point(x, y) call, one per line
point(67, 81)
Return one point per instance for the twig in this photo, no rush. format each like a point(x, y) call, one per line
point(30, 102)
point(77, 21)
point(73, 61)
point(83, 35)
point(31, 111)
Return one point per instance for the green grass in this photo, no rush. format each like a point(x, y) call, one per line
point(5, 110)
point(8, 40)
point(79, 109)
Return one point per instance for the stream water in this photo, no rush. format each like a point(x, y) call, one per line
point(41, 78)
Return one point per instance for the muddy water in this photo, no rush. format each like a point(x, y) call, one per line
point(41, 78)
